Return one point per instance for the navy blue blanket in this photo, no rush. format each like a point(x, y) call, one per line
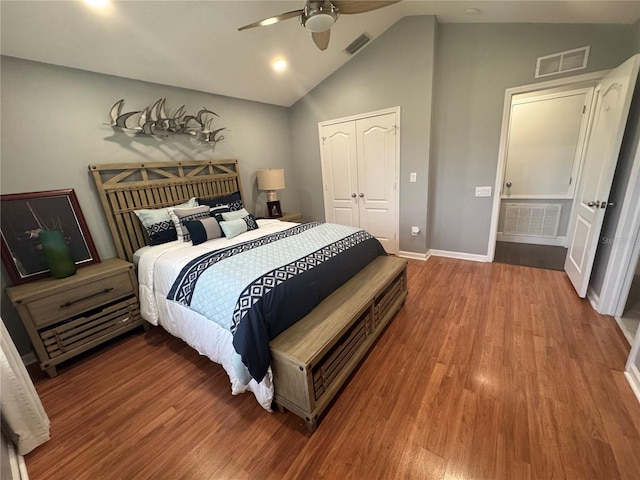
point(259, 288)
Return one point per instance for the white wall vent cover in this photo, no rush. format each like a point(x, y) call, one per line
point(540, 220)
point(562, 62)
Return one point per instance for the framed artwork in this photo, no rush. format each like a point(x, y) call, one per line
point(24, 215)
point(273, 209)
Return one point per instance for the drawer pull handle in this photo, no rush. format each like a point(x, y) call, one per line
point(68, 304)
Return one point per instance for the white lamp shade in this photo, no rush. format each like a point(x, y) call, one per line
point(272, 179)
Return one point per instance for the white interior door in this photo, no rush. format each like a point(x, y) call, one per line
point(546, 138)
point(339, 171)
point(612, 101)
point(376, 152)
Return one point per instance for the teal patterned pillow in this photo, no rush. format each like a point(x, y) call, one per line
point(233, 228)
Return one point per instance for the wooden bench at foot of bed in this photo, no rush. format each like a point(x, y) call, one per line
point(312, 359)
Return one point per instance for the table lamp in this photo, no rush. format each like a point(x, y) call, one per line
point(272, 180)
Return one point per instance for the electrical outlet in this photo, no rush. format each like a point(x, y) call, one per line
point(412, 177)
point(483, 191)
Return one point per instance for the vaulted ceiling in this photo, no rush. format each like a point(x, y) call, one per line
point(196, 44)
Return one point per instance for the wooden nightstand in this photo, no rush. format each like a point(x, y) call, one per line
point(291, 217)
point(67, 316)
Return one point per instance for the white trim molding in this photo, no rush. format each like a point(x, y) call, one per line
point(553, 241)
point(631, 369)
point(625, 251)
point(459, 255)
point(633, 377)
point(414, 255)
point(593, 298)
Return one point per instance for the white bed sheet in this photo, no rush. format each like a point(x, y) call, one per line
point(158, 268)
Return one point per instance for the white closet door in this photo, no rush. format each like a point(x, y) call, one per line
point(376, 153)
point(339, 161)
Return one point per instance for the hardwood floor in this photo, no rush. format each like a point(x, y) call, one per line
point(490, 371)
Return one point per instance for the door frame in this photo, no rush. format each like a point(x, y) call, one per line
point(578, 80)
point(625, 251)
point(396, 182)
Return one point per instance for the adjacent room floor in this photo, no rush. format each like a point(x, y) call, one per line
point(529, 255)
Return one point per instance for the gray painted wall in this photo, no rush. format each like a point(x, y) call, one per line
point(53, 128)
point(394, 70)
point(475, 64)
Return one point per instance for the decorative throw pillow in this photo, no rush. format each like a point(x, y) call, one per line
point(233, 228)
point(216, 212)
point(157, 222)
point(179, 215)
point(233, 215)
point(234, 201)
point(203, 229)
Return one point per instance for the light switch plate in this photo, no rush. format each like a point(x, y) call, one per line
point(412, 177)
point(483, 191)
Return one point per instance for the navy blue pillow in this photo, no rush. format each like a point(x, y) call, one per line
point(203, 229)
point(234, 201)
point(216, 212)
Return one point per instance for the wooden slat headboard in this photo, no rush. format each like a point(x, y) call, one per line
point(125, 187)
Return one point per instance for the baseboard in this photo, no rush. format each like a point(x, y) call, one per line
point(624, 331)
point(633, 377)
point(459, 255)
point(29, 359)
point(554, 242)
point(414, 255)
point(594, 298)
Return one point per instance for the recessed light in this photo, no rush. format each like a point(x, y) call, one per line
point(472, 11)
point(279, 65)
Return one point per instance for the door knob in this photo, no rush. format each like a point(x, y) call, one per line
point(361, 195)
point(593, 204)
point(508, 184)
point(353, 195)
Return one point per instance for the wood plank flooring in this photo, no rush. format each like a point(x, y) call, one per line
point(490, 371)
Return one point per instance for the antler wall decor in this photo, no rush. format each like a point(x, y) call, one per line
point(154, 121)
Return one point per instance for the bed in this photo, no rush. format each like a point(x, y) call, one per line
point(311, 358)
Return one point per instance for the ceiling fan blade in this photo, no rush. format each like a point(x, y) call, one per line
point(321, 39)
point(348, 7)
point(272, 20)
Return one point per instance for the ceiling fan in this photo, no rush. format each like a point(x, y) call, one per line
point(319, 16)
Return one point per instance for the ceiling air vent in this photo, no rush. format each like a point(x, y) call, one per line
point(357, 44)
point(562, 62)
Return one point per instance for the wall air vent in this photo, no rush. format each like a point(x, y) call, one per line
point(357, 44)
point(540, 220)
point(562, 62)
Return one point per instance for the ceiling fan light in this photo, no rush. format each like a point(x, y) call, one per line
point(319, 16)
point(319, 22)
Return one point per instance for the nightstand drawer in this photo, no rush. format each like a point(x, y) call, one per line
point(93, 326)
point(63, 305)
